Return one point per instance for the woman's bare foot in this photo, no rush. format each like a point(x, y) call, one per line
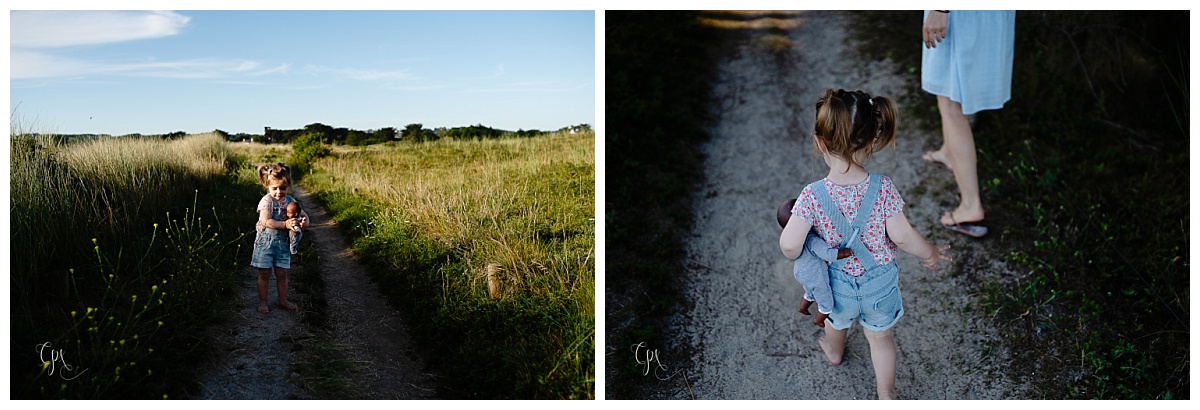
point(262, 308)
point(937, 158)
point(287, 305)
point(888, 395)
point(829, 357)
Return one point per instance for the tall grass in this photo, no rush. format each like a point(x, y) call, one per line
point(62, 189)
point(490, 248)
point(114, 267)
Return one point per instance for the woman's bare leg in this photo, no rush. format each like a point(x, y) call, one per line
point(959, 149)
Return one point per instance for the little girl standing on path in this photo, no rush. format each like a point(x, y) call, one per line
point(850, 202)
point(271, 244)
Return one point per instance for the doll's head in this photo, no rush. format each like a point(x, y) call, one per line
point(293, 210)
point(785, 212)
point(852, 125)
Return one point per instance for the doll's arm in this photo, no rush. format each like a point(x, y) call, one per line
point(819, 247)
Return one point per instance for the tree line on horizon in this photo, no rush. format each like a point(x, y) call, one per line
point(346, 136)
point(411, 132)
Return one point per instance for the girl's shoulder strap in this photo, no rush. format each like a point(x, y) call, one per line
point(874, 182)
point(817, 185)
point(825, 202)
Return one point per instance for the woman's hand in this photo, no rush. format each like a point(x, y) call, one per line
point(932, 262)
point(935, 28)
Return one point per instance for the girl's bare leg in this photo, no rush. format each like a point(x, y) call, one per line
point(264, 279)
point(281, 283)
point(883, 357)
point(958, 148)
point(833, 343)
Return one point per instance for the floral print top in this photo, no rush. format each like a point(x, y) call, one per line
point(847, 198)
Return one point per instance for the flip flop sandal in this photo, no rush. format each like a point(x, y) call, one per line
point(972, 229)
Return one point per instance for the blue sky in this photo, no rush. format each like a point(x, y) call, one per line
point(119, 72)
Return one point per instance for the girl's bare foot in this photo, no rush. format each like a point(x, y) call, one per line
point(825, 348)
point(891, 395)
point(287, 305)
point(262, 308)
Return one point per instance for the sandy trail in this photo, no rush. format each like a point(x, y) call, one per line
point(260, 349)
point(741, 319)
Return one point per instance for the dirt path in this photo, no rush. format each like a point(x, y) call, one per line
point(741, 319)
point(261, 348)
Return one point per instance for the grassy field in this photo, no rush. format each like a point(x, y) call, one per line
point(120, 253)
point(487, 246)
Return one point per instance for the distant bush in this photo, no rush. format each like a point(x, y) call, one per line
point(306, 149)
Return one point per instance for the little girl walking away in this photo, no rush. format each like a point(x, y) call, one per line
point(271, 244)
point(852, 203)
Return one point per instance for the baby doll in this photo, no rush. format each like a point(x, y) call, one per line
point(293, 211)
point(812, 267)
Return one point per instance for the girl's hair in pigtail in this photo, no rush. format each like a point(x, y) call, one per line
point(852, 121)
point(268, 172)
point(262, 174)
point(885, 113)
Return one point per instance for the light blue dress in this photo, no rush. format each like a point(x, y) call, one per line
point(973, 64)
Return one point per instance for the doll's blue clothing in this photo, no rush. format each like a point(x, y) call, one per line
point(812, 271)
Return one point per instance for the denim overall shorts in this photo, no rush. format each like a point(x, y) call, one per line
point(873, 298)
point(272, 246)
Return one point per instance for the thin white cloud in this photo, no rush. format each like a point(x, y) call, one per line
point(306, 87)
point(420, 88)
point(29, 64)
point(552, 86)
point(359, 74)
point(47, 29)
point(37, 34)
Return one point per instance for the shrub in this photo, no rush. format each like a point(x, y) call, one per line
point(306, 149)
